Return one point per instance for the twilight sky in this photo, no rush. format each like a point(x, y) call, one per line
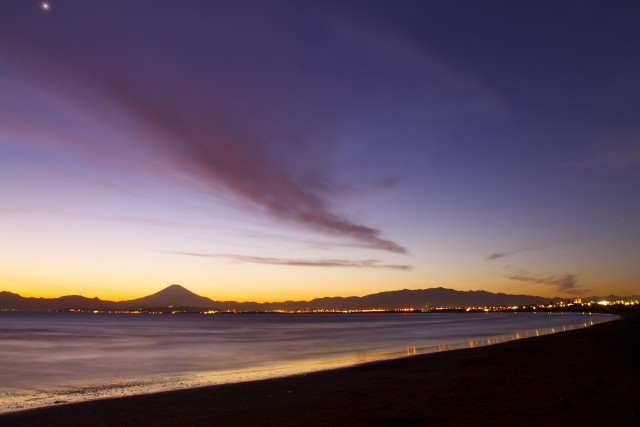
point(275, 150)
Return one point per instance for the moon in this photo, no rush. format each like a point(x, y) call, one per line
point(45, 5)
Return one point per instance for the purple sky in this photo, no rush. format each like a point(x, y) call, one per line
point(274, 150)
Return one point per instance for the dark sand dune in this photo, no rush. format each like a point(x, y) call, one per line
point(587, 377)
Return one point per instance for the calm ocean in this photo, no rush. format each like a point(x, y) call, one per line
point(57, 358)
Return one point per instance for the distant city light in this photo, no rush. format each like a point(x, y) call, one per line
point(559, 306)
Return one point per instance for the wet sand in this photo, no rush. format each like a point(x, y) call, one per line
point(588, 376)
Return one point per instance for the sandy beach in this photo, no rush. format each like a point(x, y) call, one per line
point(581, 377)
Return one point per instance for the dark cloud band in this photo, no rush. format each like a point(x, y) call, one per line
point(368, 263)
point(567, 283)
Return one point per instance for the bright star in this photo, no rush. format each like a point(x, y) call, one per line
point(45, 5)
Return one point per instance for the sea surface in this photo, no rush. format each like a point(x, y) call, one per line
point(54, 358)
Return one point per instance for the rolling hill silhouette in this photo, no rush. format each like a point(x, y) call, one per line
point(178, 296)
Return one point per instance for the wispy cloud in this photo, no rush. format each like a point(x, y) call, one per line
point(534, 246)
point(567, 283)
point(221, 158)
point(183, 148)
point(296, 262)
point(239, 124)
point(498, 255)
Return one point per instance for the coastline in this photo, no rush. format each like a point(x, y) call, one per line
point(580, 376)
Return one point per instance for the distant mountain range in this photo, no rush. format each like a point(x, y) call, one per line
point(178, 296)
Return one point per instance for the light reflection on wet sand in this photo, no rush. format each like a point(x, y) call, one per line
point(52, 359)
